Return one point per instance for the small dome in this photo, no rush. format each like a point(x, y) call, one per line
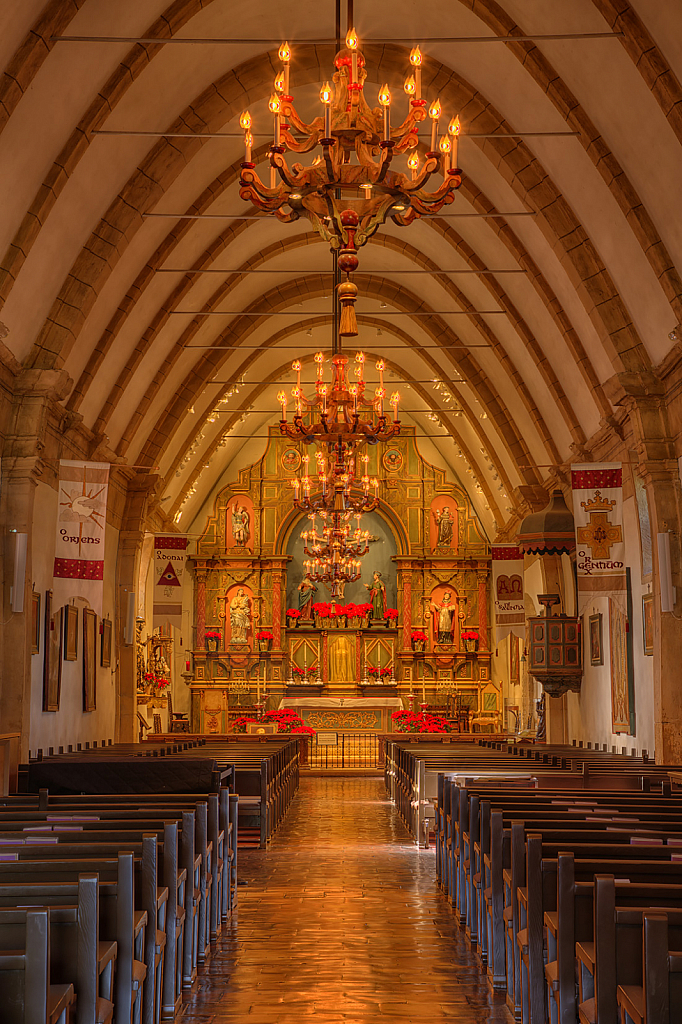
point(549, 532)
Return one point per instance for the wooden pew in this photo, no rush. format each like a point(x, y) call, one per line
point(26, 993)
point(119, 923)
point(658, 998)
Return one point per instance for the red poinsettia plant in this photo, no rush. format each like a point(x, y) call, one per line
point(469, 634)
point(418, 634)
point(293, 613)
point(286, 720)
point(264, 634)
point(212, 634)
point(160, 682)
point(297, 670)
point(408, 721)
point(392, 614)
point(375, 671)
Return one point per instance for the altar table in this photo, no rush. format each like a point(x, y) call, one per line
point(345, 714)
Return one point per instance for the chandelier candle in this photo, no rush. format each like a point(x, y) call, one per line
point(454, 129)
point(285, 57)
point(416, 62)
point(434, 113)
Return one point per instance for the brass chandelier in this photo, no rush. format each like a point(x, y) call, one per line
point(347, 415)
point(346, 201)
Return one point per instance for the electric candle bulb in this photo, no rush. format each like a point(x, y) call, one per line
point(445, 148)
point(285, 57)
point(380, 394)
point(385, 101)
point(409, 86)
point(275, 108)
point(395, 399)
point(282, 399)
point(279, 82)
point(434, 113)
point(326, 97)
point(319, 359)
point(352, 44)
point(413, 164)
point(416, 62)
point(245, 121)
point(454, 128)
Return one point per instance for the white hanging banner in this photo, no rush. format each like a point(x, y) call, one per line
point(81, 523)
point(170, 555)
point(599, 535)
point(510, 612)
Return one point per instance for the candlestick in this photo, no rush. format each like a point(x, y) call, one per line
point(275, 107)
point(282, 399)
point(352, 44)
point(454, 128)
point(326, 97)
point(434, 113)
point(385, 101)
point(285, 57)
point(445, 148)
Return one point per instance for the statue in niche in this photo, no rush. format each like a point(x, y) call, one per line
point(241, 522)
point(240, 617)
point(445, 612)
point(306, 597)
point(444, 522)
point(377, 596)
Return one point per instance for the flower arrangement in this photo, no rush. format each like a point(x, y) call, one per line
point(469, 634)
point(418, 636)
point(392, 614)
point(158, 682)
point(293, 613)
point(286, 720)
point(264, 634)
point(298, 671)
point(377, 672)
point(213, 634)
point(408, 721)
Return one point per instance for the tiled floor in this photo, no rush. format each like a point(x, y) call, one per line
point(342, 921)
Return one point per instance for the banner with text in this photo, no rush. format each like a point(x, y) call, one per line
point(510, 612)
point(600, 542)
point(81, 523)
point(170, 555)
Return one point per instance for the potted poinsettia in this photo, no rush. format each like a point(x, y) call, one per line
point(418, 639)
point(322, 610)
point(212, 637)
point(470, 640)
point(391, 616)
point(408, 721)
point(264, 639)
point(293, 615)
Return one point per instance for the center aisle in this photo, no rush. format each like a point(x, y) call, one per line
point(341, 920)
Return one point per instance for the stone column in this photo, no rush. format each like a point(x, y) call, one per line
point(482, 578)
point(277, 609)
point(407, 607)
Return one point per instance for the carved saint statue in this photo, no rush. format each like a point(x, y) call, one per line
point(377, 596)
point(241, 521)
point(445, 612)
point(541, 731)
point(240, 617)
point(306, 596)
point(444, 521)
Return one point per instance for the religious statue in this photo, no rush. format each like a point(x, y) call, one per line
point(446, 614)
point(306, 596)
point(541, 731)
point(240, 617)
point(377, 596)
point(241, 521)
point(444, 521)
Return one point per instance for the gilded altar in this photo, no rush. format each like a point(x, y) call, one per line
point(262, 632)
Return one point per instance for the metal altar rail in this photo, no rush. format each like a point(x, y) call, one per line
point(345, 750)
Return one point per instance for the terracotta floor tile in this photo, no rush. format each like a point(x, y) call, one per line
point(341, 923)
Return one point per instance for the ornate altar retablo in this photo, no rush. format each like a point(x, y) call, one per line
point(555, 649)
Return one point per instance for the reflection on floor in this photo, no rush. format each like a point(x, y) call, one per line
point(342, 921)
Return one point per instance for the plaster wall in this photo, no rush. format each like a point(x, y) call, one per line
point(69, 725)
point(589, 712)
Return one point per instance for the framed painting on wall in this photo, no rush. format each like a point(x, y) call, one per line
point(70, 632)
point(89, 659)
point(596, 640)
point(648, 623)
point(52, 656)
point(35, 622)
point(105, 655)
point(514, 668)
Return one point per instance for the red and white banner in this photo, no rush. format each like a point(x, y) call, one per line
point(81, 523)
point(170, 555)
point(510, 611)
point(600, 541)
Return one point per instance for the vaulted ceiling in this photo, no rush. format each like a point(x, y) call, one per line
point(565, 226)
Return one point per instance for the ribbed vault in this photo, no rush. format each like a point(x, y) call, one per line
point(585, 283)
